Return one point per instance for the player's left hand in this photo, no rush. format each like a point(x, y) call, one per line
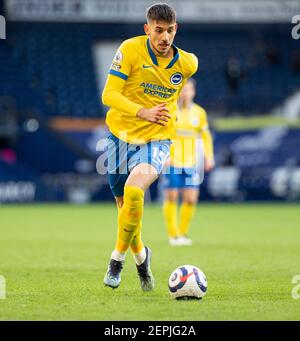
point(209, 165)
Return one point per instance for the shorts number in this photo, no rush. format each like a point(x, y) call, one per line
point(160, 155)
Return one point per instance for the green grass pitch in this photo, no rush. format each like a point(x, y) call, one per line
point(54, 257)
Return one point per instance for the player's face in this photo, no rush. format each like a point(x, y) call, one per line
point(188, 92)
point(161, 36)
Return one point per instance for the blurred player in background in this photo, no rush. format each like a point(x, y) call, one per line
point(142, 89)
point(183, 173)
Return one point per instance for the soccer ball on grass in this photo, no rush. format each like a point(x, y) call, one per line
point(187, 282)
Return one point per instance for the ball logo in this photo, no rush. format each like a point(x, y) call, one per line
point(176, 78)
point(174, 277)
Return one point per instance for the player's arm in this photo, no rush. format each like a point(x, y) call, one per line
point(209, 162)
point(208, 150)
point(192, 66)
point(112, 95)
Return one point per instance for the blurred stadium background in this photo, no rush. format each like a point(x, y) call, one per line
point(53, 65)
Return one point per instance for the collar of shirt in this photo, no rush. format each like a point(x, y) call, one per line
point(154, 59)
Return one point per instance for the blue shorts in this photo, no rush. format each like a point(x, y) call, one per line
point(123, 157)
point(180, 178)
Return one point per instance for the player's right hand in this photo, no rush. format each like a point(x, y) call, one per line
point(158, 114)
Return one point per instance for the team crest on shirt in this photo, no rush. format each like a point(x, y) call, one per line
point(176, 78)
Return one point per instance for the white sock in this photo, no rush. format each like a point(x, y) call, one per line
point(119, 256)
point(140, 257)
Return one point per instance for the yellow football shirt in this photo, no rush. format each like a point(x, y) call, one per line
point(144, 81)
point(191, 129)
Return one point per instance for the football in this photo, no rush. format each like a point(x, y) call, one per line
point(187, 282)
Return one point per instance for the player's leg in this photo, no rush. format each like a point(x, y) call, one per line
point(141, 175)
point(113, 275)
point(130, 218)
point(171, 196)
point(117, 176)
point(122, 241)
point(172, 184)
point(131, 213)
point(186, 212)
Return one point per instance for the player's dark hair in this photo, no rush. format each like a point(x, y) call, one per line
point(161, 12)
